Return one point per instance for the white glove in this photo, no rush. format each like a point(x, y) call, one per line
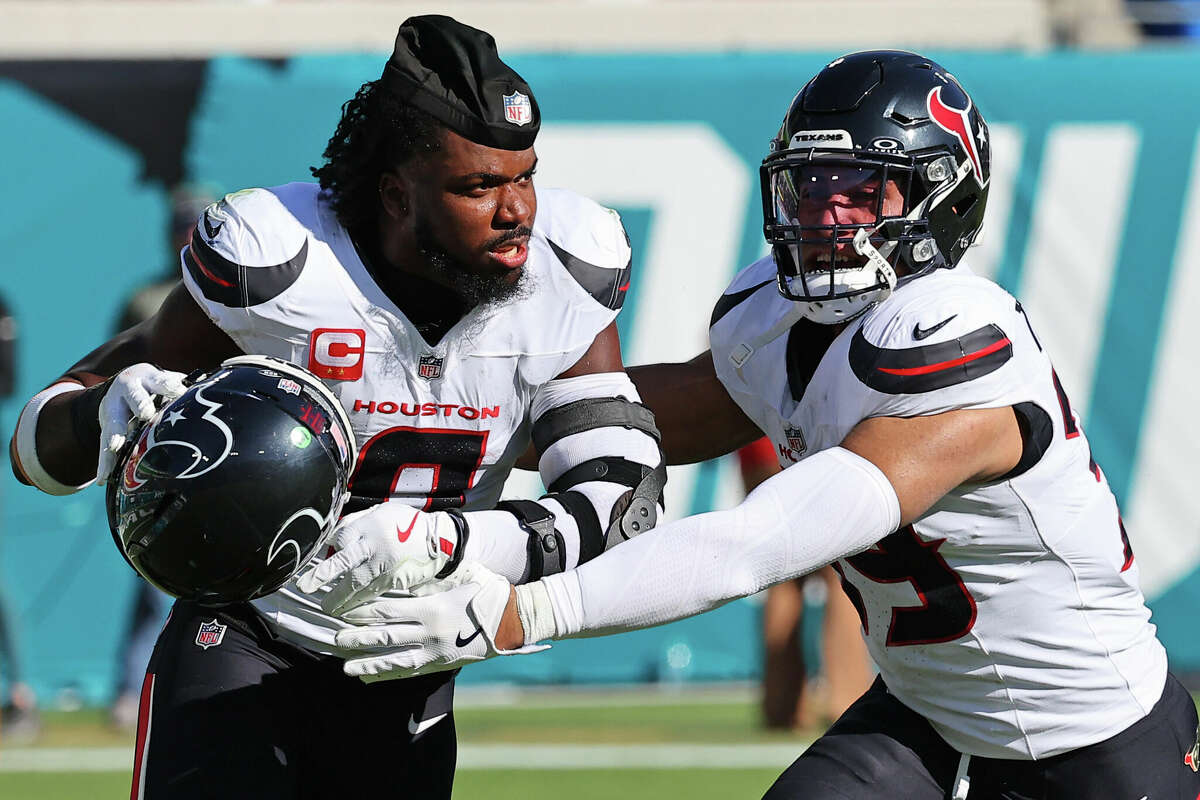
point(387, 547)
point(131, 396)
point(418, 635)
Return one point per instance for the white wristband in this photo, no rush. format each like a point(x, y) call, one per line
point(26, 439)
point(535, 612)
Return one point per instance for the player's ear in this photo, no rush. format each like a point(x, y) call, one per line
point(394, 196)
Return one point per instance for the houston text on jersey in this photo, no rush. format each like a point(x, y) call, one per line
point(425, 409)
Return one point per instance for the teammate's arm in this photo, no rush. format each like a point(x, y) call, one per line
point(179, 337)
point(887, 473)
point(696, 416)
point(926, 457)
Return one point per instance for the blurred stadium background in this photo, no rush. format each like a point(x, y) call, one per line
point(661, 109)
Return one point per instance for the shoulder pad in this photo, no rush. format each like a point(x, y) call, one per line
point(746, 283)
point(247, 249)
point(937, 331)
point(590, 241)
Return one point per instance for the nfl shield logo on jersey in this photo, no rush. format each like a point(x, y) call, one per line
point(517, 109)
point(210, 634)
point(430, 367)
point(795, 438)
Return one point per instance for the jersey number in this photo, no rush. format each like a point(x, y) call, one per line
point(947, 611)
point(436, 464)
point(1072, 429)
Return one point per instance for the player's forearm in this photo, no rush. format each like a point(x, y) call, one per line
point(62, 453)
point(509, 547)
point(498, 541)
point(695, 414)
point(597, 446)
point(510, 635)
point(830, 505)
point(47, 449)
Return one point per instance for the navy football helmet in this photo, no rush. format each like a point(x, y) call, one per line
point(232, 488)
point(882, 162)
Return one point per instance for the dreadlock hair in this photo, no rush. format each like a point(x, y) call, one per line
point(376, 132)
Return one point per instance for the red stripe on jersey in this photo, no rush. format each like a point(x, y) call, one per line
point(137, 790)
point(207, 273)
point(957, 362)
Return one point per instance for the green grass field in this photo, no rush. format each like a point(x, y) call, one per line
point(492, 784)
point(607, 744)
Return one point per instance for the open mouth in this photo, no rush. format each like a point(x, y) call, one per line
point(841, 261)
point(511, 254)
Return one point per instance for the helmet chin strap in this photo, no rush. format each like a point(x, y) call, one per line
point(862, 246)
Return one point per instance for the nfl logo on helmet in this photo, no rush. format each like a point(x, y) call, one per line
point(430, 367)
point(517, 109)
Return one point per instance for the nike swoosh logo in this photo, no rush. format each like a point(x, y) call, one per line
point(459, 641)
point(415, 727)
point(403, 535)
point(210, 229)
point(921, 333)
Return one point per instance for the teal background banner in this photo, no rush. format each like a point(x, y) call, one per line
point(1093, 209)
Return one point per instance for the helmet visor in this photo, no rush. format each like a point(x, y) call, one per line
point(822, 195)
point(818, 202)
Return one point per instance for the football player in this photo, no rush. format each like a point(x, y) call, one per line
point(930, 453)
point(455, 313)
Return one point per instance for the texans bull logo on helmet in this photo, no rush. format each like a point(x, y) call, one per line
point(957, 122)
point(232, 488)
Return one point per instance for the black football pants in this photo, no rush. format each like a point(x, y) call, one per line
point(232, 712)
point(880, 748)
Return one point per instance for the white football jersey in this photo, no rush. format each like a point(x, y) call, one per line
point(439, 425)
point(1009, 615)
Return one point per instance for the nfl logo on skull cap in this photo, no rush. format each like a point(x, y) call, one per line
point(430, 367)
point(517, 109)
point(210, 634)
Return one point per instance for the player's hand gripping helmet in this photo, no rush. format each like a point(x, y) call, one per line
point(232, 488)
point(881, 167)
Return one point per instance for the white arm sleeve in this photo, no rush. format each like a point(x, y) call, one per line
point(830, 505)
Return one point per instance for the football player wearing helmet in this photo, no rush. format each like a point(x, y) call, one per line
point(931, 455)
point(454, 313)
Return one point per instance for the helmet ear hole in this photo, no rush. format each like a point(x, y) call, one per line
point(963, 207)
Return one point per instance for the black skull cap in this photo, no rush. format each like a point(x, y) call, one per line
point(453, 72)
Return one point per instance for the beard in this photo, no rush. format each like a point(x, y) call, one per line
point(475, 288)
